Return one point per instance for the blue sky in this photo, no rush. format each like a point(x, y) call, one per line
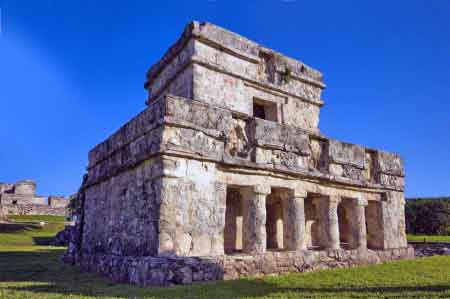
point(72, 72)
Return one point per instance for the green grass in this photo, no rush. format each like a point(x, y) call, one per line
point(31, 271)
point(421, 238)
point(36, 273)
point(36, 218)
point(28, 232)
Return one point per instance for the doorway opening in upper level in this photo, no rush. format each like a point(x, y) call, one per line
point(265, 110)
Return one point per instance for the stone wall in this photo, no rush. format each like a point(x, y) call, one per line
point(425, 249)
point(121, 214)
point(6, 188)
point(24, 199)
point(192, 211)
point(25, 187)
point(57, 201)
point(164, 271)
point(34, 209)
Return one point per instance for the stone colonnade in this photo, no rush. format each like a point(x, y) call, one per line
point(254, 234)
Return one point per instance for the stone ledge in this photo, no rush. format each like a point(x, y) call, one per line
point(165, 271)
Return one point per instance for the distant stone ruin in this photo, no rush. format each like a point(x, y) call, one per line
point(2, 215)
point(225, 174)
point(20, 199)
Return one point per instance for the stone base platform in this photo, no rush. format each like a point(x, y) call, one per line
point(165, 271)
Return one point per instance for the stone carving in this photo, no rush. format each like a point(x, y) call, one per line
point(198, 187)
point(239, 144)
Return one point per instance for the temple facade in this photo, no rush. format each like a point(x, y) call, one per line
point(226, 174)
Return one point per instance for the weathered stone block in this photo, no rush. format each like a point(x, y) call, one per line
point(346, 153)
point(390, 164)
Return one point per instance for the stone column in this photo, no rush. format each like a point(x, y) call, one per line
point(254, 228)
point(359, 227)
point(329, 221)
point(294, 220)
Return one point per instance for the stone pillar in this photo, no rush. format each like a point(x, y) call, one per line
point(393, 220)
point(294, 220)
point(359, 227)
point(254, 228)
point(402, 241)
point(329, 221)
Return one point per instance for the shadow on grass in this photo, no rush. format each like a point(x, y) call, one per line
point(43, 267)
point(43, 241)
point(11, 228)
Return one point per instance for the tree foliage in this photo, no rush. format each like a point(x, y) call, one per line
point(429, 216)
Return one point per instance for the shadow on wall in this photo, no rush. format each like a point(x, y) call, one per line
point(52, 277)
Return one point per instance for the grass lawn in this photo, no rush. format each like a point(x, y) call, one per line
point(36, 218)
point(421, 238)
point(26, 231)
point(31, 271)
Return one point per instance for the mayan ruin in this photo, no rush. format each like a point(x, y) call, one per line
point(20, 199)
point(226, 174)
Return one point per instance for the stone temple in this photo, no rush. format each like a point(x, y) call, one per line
point(226, 174)
point(20, 199)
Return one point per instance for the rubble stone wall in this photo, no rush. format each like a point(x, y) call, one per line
point(121, 214)
point(164, 271)
point(57, 201)
point(10, 199)
point(33, 209)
